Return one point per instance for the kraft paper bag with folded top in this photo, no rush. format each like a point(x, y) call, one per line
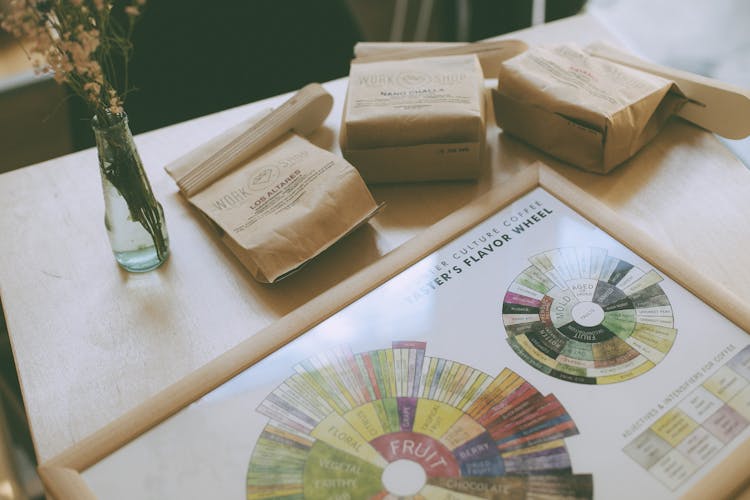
point(415, 120)
point(584, 110)
point(282, 206)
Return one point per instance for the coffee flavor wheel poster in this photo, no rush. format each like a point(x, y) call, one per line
point(396, 423)
point(533, 356)
point(590, 361)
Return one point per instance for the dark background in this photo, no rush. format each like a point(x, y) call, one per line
point(193, 57)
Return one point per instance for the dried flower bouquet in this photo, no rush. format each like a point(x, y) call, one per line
point(86, 44)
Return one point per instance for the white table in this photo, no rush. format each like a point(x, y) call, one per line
point(91, 341)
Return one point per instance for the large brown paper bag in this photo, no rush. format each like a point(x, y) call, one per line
point(415, 120)
point(584, 110)
point(275, 199)
point(286, 206)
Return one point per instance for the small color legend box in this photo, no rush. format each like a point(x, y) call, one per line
point(686, 437)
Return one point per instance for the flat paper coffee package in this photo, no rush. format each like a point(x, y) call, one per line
point(584, 110)
point(415, 120)
point(287, 202)
point(286, 206)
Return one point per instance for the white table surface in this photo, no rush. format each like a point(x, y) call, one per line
point(91, 341)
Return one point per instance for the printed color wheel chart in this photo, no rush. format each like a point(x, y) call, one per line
point(394, 423)
point(583, 316)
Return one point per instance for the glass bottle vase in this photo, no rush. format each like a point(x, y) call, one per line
point(133, 218)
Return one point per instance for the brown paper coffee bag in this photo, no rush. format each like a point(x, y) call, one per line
point(415, 119)
point(587, 111)
point(285, 206)
point(275, 199)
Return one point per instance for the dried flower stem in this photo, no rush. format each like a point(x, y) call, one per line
point(120, 165)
